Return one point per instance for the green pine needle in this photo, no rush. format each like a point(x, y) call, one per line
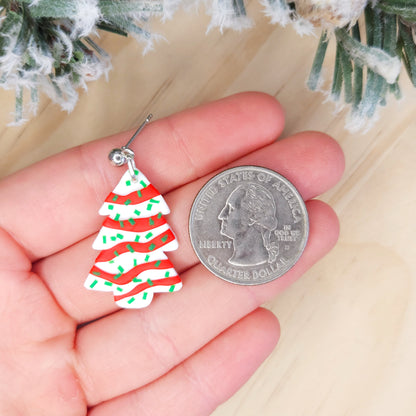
point(406, 9)
point(357, 72)
point(315, 73)
point(408, 51)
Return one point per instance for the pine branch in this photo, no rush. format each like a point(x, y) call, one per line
point(46, 45)
point(368, 72)
point(371, 55)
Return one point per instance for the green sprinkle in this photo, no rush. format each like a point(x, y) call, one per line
point(117, 217)
point(167, 274)
point(120, 268)
point(113, 238)
point(150, 282)
point(111, 207)
point(147, 257)
point(143, 183)
point(172, 288)
point(144, 295)
point(137, 238)
point(130, 248)
point(151, 221)
point(93, 283)
point(139, 193)
point(121, 224)
point(164, 238)
point(115, 197)
point(135, 262)
point(104, 239)
point(149, 207)
point(128, 183)
point(155, 201)
point(120, 236)
point(137, 212)
point(117, 276)
point(131, 300)
point(131, 221)
point(152, 247)
point(136, 280)
point(111, 261)
point(116, 253)
point(159, 215)
point(96, 273)
point(136, 171)
point(119, 289)
point(157, 264)
point(108, 283)
point(127, 202)
point(148, 235)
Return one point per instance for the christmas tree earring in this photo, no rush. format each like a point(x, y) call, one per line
point(133, 239)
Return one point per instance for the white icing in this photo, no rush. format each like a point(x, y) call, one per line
point(123, 189)
point(126, 260)
point(99, 285)
point(139, 302)
point(146, 209)
point(153, 274)
point(128, 236)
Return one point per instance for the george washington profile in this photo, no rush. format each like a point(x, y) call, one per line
point(248, 218)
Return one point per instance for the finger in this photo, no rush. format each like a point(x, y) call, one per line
point(36, 335)
point(209, 377)
point(147, 344)
point(54, 204)
point(313, 161)
point(12, 256)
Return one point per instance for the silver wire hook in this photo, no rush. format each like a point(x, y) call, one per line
point(123, 155)
point(141, 127)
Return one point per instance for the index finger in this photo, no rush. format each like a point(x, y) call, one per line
point(54, 203)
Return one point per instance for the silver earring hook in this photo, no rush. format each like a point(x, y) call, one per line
point(123, 155)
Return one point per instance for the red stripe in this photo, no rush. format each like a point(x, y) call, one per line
point(167, 281)
point(131, 274)
point(140, 224)
point(135, 198)
point(121, 248)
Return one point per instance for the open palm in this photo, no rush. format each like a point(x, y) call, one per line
point(67, 351)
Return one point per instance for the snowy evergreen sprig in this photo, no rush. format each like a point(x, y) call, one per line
point(46, 45)
point(367, 72)
point(369, 50)
point(379, 57)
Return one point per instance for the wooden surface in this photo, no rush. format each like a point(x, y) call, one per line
point(348, 343)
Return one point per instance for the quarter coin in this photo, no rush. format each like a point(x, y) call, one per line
point(248, 225)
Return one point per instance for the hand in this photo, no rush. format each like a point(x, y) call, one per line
point(67, 351)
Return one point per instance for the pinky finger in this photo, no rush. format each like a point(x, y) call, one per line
point(206, 379)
